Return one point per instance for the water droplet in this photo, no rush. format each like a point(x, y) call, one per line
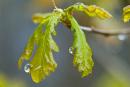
point(122, 37)
point(27, 68)
point(71, 50)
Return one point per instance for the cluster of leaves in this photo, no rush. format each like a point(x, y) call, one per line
point(43, 63)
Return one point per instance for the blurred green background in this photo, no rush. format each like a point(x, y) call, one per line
point(110, 54)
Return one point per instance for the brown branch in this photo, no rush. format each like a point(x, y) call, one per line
point(106, 32)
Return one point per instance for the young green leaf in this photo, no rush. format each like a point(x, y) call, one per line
point(126, 13)
point(42, 63)
point(94, 10)
point(81, 50)
point(91, 10)
point(28, 50)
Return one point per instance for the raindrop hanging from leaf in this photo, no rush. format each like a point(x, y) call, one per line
point(27, 68)
point(71, 50)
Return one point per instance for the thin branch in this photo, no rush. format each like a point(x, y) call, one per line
point(106, 32)
point(54, 4)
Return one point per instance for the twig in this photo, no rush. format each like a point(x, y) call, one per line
point(106, 32)
point(54, 4)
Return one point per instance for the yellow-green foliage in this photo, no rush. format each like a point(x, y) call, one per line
point(126, 13)
point(43, 63)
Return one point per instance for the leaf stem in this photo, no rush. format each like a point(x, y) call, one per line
point(54, 4)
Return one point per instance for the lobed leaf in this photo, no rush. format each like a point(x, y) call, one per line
point(28, 50)
point(91, 10)
point(126, 13)
point(42, 63)
point(94, 10)
point(81, 50)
